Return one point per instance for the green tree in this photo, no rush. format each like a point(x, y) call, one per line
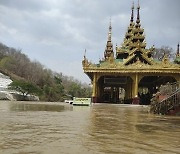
point(7, 63)
point(74, 90)
point(53, 86)
point(53, 91)
point(24, 87)
point(77, 90)
point(160, 52)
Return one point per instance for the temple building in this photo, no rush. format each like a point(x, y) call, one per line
point(130, 72)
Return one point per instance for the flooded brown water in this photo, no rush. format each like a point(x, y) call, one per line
point(58, 128)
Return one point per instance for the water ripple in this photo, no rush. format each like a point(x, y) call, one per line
point(61, 128)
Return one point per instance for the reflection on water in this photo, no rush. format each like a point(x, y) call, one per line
point(36, 107)
point(123, 130)
point(28, 127)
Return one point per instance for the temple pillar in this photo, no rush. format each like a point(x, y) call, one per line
point(135, 85)
point(94, 92)
point(135, 98)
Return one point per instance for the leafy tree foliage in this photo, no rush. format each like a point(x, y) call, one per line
point(160, 52)
point(53, 86)
point(53, 91)
point(24, 87)
point(76, 90)
point(177, 60)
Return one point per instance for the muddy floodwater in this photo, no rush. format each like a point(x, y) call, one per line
point(59, 128)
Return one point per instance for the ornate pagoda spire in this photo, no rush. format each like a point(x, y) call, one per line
point(132, 13)
point(138, 15)
point(109, 46)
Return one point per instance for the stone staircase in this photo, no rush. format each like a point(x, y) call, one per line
point(169, 105)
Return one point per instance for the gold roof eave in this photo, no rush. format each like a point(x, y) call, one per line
point(130, 71)
point(137, 67)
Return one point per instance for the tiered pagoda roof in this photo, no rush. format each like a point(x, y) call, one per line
point(133, 47)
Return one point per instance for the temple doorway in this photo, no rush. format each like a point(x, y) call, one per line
point(114, 89)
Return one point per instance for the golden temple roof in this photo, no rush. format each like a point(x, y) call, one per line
point(132, 55)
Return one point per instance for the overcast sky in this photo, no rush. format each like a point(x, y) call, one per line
point(56, 32)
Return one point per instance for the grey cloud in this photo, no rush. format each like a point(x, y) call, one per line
point(58, 31)
point(28, 5)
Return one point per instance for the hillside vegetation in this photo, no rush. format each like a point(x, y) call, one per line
point(49, 85)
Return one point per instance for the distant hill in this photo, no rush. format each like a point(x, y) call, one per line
point(54, 86)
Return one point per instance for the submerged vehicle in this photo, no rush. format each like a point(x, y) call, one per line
point(69, 101)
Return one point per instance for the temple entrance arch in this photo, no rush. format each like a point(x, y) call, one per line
point(149, 85)
point(114, 89)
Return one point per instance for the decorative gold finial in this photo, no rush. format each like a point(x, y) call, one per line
point(132, 14)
